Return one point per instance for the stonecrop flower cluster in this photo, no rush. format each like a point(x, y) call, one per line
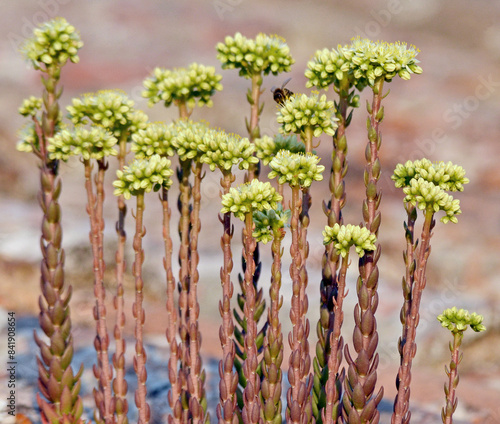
point(193, 85)
point(93, 143)
point(53, 44)
point(155, 139)
point(189, 139)
point(301, 112)
point(374, 59)
point(30, 106)
point(111, 109)
point(264, 55)
point(268, 221)
point(296, 169)
point(267, 147)
point(142, 176)
point(223, 150)
point(457, 320)
point(345, 236)
point(250, 197)
point(425, 185)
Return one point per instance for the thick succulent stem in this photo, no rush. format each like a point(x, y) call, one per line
point(140, 315)
point(103, 370)
point(328, 382)
point(195, 373)
point(452, 373)
point(251, 400)
point(174, 393)
point(360, 402)
point(226, 410)
point(415, 268)
point(273, 345)
point(299, 406)
point(58, 385)
point(120, 385)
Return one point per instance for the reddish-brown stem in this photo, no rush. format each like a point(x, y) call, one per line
point(174, 393)
point(103, 370)
point(299, 408)
point(140, 315)
point(451, 390)
point(401, 412)
point(251, 399)
point(120, 385)
point(226, 410)
point(196, 375)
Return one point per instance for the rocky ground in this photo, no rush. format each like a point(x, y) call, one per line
point(450, 112)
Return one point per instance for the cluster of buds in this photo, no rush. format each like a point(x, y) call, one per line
point(264, 55)
point(143, 175)
point(155, 139)
point(249, 197)
point(30, 106)
point(425, 184)
point(193, 85)
point(268, 221)
point(53, 44)
point(445, 175)
point(189, 139)
point(301, 112)
point(296, 169)
point(345, 236)
point(371, 60)
point(457, 320)
point(267, 147)
point(93, 143)
point(112, 109)
point(222, 150)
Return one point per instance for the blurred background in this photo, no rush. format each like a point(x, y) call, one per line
point(450, 112)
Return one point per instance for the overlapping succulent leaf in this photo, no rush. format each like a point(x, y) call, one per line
point(53, 44)
point(143, 175)
point(300, 112)
point(296, 169)
point(93, 143)
point(457, 320)
point(223, 150)
point(345, 236)
point(263, 55)
point(250, 197)
point(193, 85)
point(267, 147)
point(268, 221)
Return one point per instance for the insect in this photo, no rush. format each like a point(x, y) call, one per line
point(280, 95)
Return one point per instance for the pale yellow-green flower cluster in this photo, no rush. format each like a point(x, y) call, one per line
point(345, 236)
point(222, 150)
point(266, 147)
point(111, 109)
point(425, 185)
point(155, 139)
point(264, 55)
point(189, 140)
point(370, 60)
point(30, 106)
point(296, 169)
point(28, 138)
point(457, 320)
point(250, 197)
point(268, 221)
point(193, 85)
point(53, 44)
point(142, 176)
point(301, 112)
point(445, 175)
point(93, 143)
